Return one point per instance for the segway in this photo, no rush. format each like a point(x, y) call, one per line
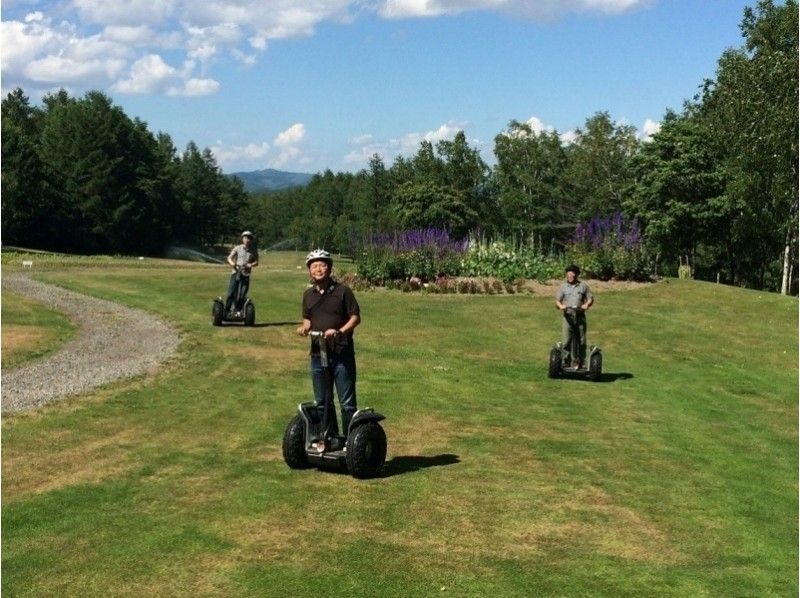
point(560, 355)
point(312, 439)
point(243, 309)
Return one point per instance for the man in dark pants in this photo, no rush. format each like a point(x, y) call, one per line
point(331, 307)
point(242, 258)
point(574, 294)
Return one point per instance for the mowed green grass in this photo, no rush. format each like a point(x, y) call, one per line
point(674, 476)
point(30, 330)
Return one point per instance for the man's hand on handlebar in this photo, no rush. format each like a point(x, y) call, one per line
point(331, 333)
point(304, 329)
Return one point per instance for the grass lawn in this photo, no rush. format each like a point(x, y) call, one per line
point(30, 329)
point(676, 475)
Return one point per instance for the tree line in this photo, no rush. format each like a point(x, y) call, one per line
point(80, 176)
point(715, 188)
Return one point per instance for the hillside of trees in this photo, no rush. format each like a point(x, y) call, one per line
point(716, 187)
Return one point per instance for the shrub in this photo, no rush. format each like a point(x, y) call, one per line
point(507, 260)
point(421, 253)
point(608, 248)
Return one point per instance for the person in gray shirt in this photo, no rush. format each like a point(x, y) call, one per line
point(574, 294)
point(242, 258)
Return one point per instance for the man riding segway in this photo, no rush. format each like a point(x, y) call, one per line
point(330, 314)
point(331, 308)
point(238, 307)
point(573, 299)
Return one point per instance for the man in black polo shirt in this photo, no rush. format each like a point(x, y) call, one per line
point(331, 307)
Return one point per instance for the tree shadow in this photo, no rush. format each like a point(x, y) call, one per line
point(408, 463)
point(267, 324)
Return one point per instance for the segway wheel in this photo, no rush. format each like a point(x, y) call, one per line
point(595, 366)
point(366, 450)
point(294, 444)
point(249, 314)
point(216, 313)
point(555, 363)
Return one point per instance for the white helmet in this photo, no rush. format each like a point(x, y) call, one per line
point(247, 233)
point(319, 255)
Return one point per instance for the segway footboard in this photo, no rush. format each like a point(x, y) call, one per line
point(314, 432)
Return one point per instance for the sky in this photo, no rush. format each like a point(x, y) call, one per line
point(308, 85)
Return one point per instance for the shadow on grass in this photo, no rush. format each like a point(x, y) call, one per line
point(604, 377)
point(613, 377)
point(407, 464)
point(226, 323)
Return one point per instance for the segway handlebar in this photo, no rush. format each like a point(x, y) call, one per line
point(323, 346)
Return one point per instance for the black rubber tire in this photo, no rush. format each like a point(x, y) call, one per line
point(216, 313)
point(595, 366)
point(366, 450)
point(555, 363)
point(294, 444)
point(249, 314)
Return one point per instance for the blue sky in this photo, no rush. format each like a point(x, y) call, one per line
point(304, 86)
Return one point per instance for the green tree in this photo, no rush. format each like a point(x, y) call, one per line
point(677, 195)
point(752, 112)
point(599, 168)
point(424, 204)
point(31, 204)
point(465, 172)
point(198, 187)
point(103, 163)
point(530, 181)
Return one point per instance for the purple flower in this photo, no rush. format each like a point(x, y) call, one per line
point(612, 231)
point(436, 240)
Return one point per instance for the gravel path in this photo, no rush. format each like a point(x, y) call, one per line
point(113, 342)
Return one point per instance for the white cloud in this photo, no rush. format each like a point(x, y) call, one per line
point(149, 74)
point(281, 19)
point(57, 69)
point(35, 52)
point(245, 59)
point(537, 126)
point(287, 146)
point(401, 9)
point(227, 156)
point(537, 10)
point(195, 87)
point(649, 129)
point(132, 36)
point(22, 42)
point(361, 139)
point(291, 136)
point(568, 137)
point(130, 12)
point(204, 42)
point(287, 155)
point(208, 32)
point(406, 145)
point(258, 42)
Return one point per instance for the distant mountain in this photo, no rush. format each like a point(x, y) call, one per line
point(270, 179)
